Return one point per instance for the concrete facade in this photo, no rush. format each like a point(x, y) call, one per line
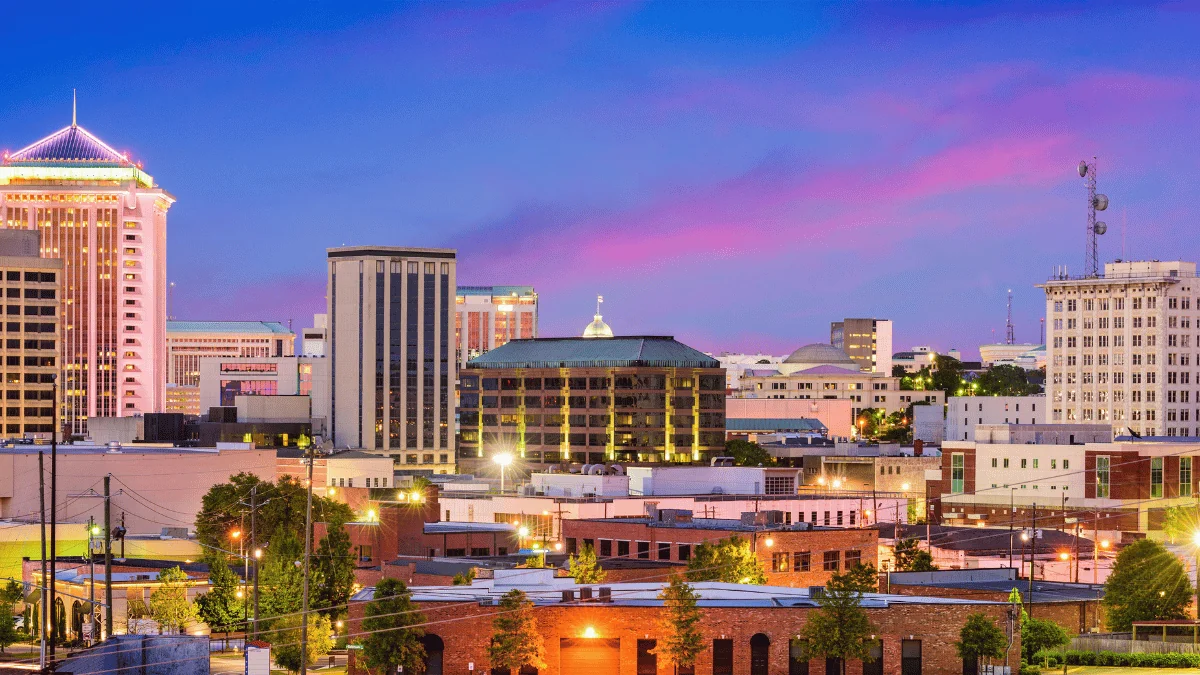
point(33, 287)
point(223, 380)
point(867, 341)
point(835, 413)
point(964, 413)
point(486, 317)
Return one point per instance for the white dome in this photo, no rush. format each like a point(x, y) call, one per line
point(597, 328)
point(820, 354)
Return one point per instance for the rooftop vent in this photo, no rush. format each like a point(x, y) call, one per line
point(605, 594)
point(568, 595)
point(585, 593)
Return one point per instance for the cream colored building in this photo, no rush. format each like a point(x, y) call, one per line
point(868, 342)
point(1122, 348)
point(821, 371)
point(486, 317)
point(190, 341)
point(32, 288)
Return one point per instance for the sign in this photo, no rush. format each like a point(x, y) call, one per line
point(258, 660)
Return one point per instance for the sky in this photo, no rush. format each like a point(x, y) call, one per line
point(737, 175)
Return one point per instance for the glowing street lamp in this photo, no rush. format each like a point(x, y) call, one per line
point(504, 460)
point(590, 633)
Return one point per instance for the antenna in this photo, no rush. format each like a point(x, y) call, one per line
point(1123, 223)
point(599, 299)
point(74, 100)
point(1042, 332)
point(1008, 336)
point(1096, 202)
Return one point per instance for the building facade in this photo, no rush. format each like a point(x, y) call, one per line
point(190, 341)
point(392, 367)
point(590, 400)
point(32, 330)
point(107, 220)
point(1122, 348)
point(314, 338)
point(964, 413)
point(224, 379)
point(867, 341)
point(486, 317)
point(736, 364)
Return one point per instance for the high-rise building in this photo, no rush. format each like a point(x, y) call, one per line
point(190, 341)
point(391, 348)
point(867, 341)
point(106, 219)
point(488, 316)
point(1122, 348)
point(32, 286)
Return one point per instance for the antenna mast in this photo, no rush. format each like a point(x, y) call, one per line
point(1096, 202)
point(1009, 339)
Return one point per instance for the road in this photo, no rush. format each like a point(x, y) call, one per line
point(227, 664)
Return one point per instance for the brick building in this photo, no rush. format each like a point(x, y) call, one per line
point(613, 629)
point(796, 555)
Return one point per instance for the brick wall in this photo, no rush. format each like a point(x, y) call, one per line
point(466, 630)
point(1075, 616)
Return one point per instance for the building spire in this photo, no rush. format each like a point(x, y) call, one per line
point(73, 107)
point(599, 299)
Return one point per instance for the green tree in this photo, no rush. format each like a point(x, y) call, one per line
point(280, 510)
point(728, 560)
point(840, 628)
point(1005, 380)
point(910, 557)
point(464, 578)
point(285, 640)
point(516, 642)
point(169, 604)
point(8, 626)
point(745, 453)
point(585, 567)
point(680, 624)
point(281, 579)
point(860, 579)
point(220, 607)
point(1181, 522)
point(12, 593)
point(947, 375)
point(1039, 634)
point(392, 623)
point(333, 572)
point(1147, 583)
point(979, 639)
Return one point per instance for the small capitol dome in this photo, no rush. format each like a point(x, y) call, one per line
point(819, 354)
point(597, 328)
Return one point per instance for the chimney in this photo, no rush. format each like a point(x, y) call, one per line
point(585, 593)
point(605, 594)
point(568, 595)
point(918, 447)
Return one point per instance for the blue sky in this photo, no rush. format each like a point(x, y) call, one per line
point(737, 175)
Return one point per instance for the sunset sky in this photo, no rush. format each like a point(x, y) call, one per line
point(736, 175)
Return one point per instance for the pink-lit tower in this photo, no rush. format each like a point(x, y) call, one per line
point(107, 220)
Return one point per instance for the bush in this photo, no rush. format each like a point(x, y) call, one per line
point(1027, 669)
point(1084, 658)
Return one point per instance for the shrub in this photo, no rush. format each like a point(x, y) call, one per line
point(1054, 659)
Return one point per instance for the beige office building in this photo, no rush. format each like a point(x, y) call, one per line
point(391, 351)
point(1122, 348)
point(867, 341)
point(488, 316)
point(190, 341)
point(32, 286)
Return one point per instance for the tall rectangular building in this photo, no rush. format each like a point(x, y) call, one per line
point(106, 220)
point(392, 353)
point(867, 341)
point(1122, 348)
point(29, 351)
point(486, 317)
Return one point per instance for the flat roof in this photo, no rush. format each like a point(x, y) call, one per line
point(723, 524)
point(648, 351)
point(449, 527)
point(231, 327)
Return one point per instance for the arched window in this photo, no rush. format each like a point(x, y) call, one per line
point(760, 648)
point(434, 648)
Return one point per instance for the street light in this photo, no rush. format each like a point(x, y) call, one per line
point(503, 459)
point(1196, 541)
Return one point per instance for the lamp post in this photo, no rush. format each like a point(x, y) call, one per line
point(503, 459)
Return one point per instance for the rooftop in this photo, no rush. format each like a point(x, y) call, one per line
point(517, 291)
point(774, 424)
point(231, 327)
point(596, 352)
point(721, 524)
point(74, 146)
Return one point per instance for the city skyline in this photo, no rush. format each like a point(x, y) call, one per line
point(776, 167)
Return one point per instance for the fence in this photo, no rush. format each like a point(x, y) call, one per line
point(1127, 646)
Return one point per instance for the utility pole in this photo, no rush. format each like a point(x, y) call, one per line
point(42, 591)
point(92, 577)
point(1012, 514)
point(307, 553)
point(254, 551)
point(108, 599)
point(1076, 561)
point(1032, 553)
point(1095, 545)
point(53, 518)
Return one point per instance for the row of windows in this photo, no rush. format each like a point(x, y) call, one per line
point(649, 381)
point(349, 482)
point(31, 277)
point(1025, 462)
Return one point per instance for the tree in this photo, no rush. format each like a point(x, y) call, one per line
point(910, 557)
point(860, 579)
point(169, 604)
point(281, 580)
point(392, 623)
point(728, 560)
point(8, 626)
point(745, 453)
point(1147, 583)
point(585, 568)
point(1039, 634)
point(1181, 522)
point(516, 642)
point(280, 509)
point(135, 611)
point(12, 593)
point(947, 375)
point(979, 639)
point(840, 628)
point(333, 572)
point(680, 623)
point(220, 607)
point(1005, 380)
point(285, 640)
point(464, 578)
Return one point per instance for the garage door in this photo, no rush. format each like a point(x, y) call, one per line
point(593, 656)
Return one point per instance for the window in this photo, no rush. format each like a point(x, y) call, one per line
point(685, 552)
point(910, 657)
point(1066, 464)
point(1024, 464)
point(802, 561)
point(1156, 477)
point(664, 550)
point(797, 657)
point(957, 474)
point(832, 561)
point(622, 549)
point(853, 557)
point(781, 562)
point(643, 549)
point(606, 548)
point(1185, 476)
point(647, 659)
point(722, 657)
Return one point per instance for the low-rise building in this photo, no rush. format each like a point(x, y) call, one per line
point(223, 380)
point(737, 364)
point(1027, 356)
point(835, 414)
point(964, 413)
point(913, 360)
point(190, 341)
point(611, 629)
point(347, 469)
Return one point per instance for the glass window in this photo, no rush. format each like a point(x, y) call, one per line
point(958, 472)
point(1102, 476)
point(1185, 476)
point(722, 655)
point(910, 657)
point(647, 658)
point(797, 657)
point(1156, 477)
point(832, 560)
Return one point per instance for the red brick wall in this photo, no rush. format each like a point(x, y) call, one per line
point(466, 630)
point(1076, 617)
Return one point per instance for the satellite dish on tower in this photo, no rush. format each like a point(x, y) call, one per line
point(1100, 227)
point(1083, 169)
point(1101, 202)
